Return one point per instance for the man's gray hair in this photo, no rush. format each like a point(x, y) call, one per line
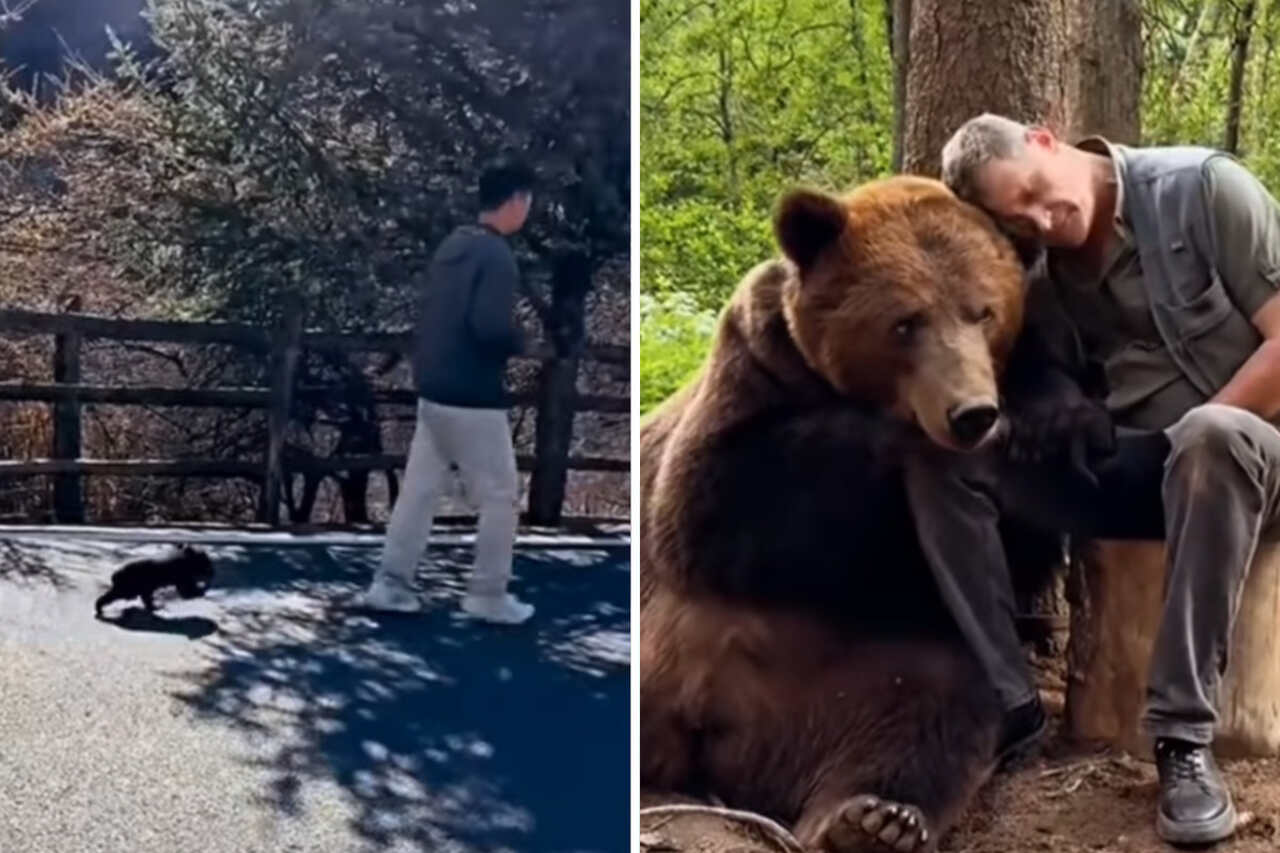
point(979, 141)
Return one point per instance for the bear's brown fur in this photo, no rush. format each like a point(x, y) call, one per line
point(795, 658)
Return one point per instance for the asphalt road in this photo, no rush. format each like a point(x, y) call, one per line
point(270, 718)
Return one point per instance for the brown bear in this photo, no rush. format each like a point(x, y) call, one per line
point(795, 657)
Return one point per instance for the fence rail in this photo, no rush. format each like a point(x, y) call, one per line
point(246, 398)
point(14, 322)
point(556, 401)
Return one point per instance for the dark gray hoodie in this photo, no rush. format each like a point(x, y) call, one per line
point(467, 329)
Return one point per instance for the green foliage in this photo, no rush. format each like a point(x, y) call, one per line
point(739, 95)
point(1188, 52)
point(321, 149)
point(674, 337)
point(694, 249)
point(740, 99)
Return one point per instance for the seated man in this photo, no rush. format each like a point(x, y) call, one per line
point(1163, 264)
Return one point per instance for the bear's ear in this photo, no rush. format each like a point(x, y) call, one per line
point(807, 222)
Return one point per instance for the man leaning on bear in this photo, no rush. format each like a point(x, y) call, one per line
point(1157, 270)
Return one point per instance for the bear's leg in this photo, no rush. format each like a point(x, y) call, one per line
point(107, 597)
point(667, 747)
point(148, 601)
point(902, 814)
point(867, 823)
point(909, 766)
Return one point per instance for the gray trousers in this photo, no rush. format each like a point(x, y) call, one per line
point(478, 441)
point(1209, 486)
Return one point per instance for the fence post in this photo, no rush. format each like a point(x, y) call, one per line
point(553, 436)
point(285, 349)
point(68, 494)
point(571, 280)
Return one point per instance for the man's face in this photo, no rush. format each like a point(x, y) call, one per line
point(1041, 193)
point(519, 209)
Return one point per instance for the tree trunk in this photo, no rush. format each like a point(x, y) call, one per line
point(68, 489)
point(553, 433)
point(285, 352)
point(1109, 89)
point(899, 14)
point(1039, 580)
point(1267, 31)
point(724, 104)
point(858, 42)
point(1203, 22)
point(1235, 91)
point(1017, 48)
point(1117, 604)
point(1072, 66)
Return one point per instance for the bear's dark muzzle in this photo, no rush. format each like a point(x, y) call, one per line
point(970, 424)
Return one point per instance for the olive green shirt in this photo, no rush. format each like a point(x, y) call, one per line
point(1111, 309)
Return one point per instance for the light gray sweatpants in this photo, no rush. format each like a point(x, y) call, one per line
point(478, 442)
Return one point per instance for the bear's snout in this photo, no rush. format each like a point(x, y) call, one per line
point(970, 423)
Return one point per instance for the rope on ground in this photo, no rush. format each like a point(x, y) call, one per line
point(769, 828)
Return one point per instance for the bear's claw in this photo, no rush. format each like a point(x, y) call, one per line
point(867, 824)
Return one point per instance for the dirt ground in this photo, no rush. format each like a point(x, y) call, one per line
point(1069, 799)
point(1075, 798)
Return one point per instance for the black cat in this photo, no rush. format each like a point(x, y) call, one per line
point(190, 570)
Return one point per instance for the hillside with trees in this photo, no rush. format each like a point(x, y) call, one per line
point(231, 161)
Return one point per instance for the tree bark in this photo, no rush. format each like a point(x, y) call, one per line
point(68, 489)
point(1071, 65)
point(1002, 56)
point(724, 105)
point(899, 14)
point(553, 434)
point(1109, 68)
point(1235, 91)
point(283, 364)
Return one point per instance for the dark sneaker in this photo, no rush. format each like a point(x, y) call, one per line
point(1022, 727)
point(1195, 806)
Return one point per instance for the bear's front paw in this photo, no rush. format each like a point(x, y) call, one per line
point(868, 824)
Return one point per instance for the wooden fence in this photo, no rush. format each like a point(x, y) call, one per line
point(556, 401)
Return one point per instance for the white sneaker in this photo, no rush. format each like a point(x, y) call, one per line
point(388, 594)
point(503, 609)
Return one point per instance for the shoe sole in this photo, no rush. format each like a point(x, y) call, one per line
point(361, 604)
point(492, 621)
point(1199, 832)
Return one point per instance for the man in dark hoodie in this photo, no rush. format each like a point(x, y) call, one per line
point(466, 332)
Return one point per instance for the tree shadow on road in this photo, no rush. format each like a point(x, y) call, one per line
point(446, 734)
point(45, 563)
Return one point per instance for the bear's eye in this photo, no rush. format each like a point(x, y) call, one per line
point(905, 328)
point(986, 315)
